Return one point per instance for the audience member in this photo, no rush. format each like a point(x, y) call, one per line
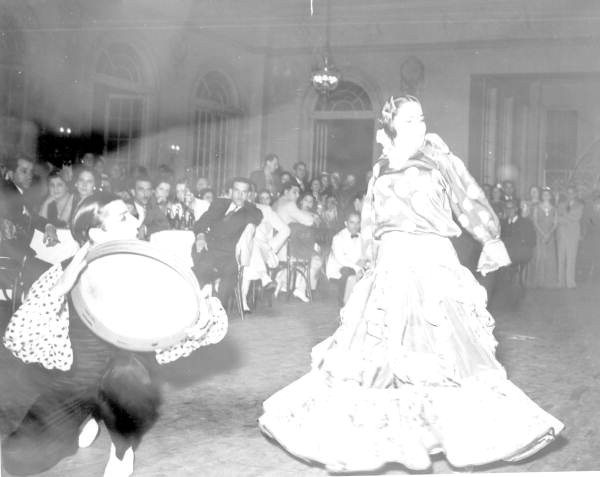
point(519, 237)
point(300, 176)
point(217, 233)
point(57, 206)
point(268, 177)
point(568, 233)
point(545, 220)
point(346, 260)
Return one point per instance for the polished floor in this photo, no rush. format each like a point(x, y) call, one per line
point(548, 343)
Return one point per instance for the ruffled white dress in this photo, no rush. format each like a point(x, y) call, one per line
point(411, 371)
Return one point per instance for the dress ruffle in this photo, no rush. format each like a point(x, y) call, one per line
point(410, 372)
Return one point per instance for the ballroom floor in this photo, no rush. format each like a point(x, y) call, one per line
point(549, 344)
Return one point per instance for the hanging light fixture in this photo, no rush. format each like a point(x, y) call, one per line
point(326, 77)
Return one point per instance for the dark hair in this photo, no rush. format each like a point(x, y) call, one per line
point(56, 173)
point(87, 215)
point(390, 110)
point(270, 157)
point(144, 178)
point(82, 169)
point(13, 160)
point(241, 180)
point(298, 164)
point(303, 195)
point(288, 186)
point(205, 191)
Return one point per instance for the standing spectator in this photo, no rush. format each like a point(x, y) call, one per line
point(217, 234)
point(142, 192)
point(534, 196)
point(300, 176)
point(568, 233)
point(268, 177)
point(325, 184)
point(519, 237)
point(349, 190)
point(335, 179)
point(590, 246)
point(156, 212)
point(346, 260)
point(545, 220)
point(497, 201)
point(315, 190)
point(508, 187)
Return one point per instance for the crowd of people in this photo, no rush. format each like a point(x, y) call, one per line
point(552, 234)
point(277, 202)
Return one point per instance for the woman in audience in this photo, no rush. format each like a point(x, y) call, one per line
point(568, 234)
point(534, 196)
point(315, 190)
point(545, 220)
point(325, 184)
point(85, 185)
point(57, 207)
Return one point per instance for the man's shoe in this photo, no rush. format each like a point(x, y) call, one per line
point(301, 296)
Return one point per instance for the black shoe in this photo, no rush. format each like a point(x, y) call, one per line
point(269, 287)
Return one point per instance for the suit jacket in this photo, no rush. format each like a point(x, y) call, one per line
point(303, 184)
point(12, 207)
point(223, 231)
point(519, 238)
point(260, 181)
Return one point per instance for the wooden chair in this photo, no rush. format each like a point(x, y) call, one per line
point(300, 249)
point(11, 280)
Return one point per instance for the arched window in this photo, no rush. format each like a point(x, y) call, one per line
point(215, 129)
point(346, 97)
point(343, 130)
point(119, 98)
point(12, 79)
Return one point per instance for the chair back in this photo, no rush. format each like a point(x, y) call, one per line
point(301, 243)
point(243, 248)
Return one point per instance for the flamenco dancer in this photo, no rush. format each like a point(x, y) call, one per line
point(88, 379)
point(411, 370)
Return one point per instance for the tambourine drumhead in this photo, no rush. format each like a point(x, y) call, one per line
point(136, 296)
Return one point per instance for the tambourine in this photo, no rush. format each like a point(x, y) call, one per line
point(136, 296)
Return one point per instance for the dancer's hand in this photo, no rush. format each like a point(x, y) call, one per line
point(71, 273)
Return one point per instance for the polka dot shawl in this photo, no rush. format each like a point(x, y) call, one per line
point(38, 332)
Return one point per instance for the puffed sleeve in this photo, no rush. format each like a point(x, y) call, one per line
point(210, 328)
point(38, 332)
point(469, 204)
point(367, 218)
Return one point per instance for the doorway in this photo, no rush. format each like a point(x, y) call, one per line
point(348, 146)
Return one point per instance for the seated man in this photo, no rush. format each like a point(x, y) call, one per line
point(19, 219)
point(217, 233)
point(346, 260)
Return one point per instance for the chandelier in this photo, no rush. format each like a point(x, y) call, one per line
point(326, 77)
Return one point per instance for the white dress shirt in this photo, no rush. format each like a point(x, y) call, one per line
point(345, 252)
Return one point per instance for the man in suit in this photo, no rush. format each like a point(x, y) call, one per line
point(518, 234)
point(268, 178)
point(300, 176)
point(217, 233)
point(20, 219)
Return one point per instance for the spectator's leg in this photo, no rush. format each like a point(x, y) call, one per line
point(571, 259)
point(316, 263)
point(204, 267)
point(562, 245)
point(345, 272)
point(227, 272)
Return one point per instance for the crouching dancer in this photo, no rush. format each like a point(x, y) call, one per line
point(89, 379)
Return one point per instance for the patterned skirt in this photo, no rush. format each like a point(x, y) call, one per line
point(410, 372)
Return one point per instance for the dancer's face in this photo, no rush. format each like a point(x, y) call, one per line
point(117, 223)
point(409, 124)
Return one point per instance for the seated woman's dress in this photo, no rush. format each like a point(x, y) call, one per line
point(411, 371)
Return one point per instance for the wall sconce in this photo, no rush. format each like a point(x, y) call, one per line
point(175, 148)
point(64, 131)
